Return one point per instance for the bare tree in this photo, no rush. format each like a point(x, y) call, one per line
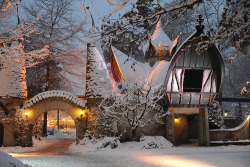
point(59, 30)
point(12, 39)
point(135, 105)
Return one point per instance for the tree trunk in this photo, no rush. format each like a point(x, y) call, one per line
point(46, 89)
point(134, 133)
point(58, 119)
point(45, 124)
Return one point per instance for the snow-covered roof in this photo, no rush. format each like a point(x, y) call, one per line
point(135, 70)
point(13, 82)
point(160, 38)
point(12, 73)
point(54, 93)
point(98, 79)
point(161, 42)
point(159, 73)
point(132, 69)
point(115, 67)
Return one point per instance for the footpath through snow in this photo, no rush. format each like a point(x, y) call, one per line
point(109, 152)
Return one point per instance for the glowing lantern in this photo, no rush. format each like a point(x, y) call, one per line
point(81, 113)
point(26, 114)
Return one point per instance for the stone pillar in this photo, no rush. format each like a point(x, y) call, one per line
point(203, 127)
point(27, 135)
point(81, 127)
point(170, 127)
point(94, 112)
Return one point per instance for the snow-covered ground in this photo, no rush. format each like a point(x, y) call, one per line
point(7, 160)
point(151, 151)
point(37, 145)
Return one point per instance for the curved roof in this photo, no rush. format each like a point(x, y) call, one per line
point(213, 53)
point(54, 93)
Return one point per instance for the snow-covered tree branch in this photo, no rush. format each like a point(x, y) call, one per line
point(135, 105)
point(12, 39)
point(61, 32)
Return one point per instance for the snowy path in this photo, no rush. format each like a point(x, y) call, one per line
point(231, 156)
point(57, 154)
point(56, 146)
point(191, 157)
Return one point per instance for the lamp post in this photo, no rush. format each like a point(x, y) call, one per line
point(81, 113)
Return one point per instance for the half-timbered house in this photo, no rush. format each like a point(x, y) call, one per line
point(191, 81)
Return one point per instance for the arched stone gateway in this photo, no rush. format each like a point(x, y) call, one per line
point(55, 100)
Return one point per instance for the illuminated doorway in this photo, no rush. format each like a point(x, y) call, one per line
point(186, 129)
point(59, 125)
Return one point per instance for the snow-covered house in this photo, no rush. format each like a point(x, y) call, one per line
point(191, 81)
point(13, 89)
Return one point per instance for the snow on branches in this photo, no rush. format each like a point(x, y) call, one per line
point(135, 105)
point(244, 90)
point(14, 55)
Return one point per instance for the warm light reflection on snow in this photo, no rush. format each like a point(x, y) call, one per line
point(22, 155)
point(171, 161)
point(32, 154)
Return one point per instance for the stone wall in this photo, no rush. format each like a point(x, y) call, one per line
point(58, 103)
point(242, 132)
point(181, 129)
point(177, 131)
point(8, 121)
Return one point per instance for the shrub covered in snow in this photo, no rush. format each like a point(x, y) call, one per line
point(215, 114)
point(154, 142)
point(134, 105)
point(7, 160)
point(146, 142)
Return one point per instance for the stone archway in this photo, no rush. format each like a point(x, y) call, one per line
point(52, 100)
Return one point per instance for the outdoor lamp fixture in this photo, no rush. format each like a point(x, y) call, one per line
point(225, 114)
point(81, 113)
point(26, 115)
point(176, 119)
